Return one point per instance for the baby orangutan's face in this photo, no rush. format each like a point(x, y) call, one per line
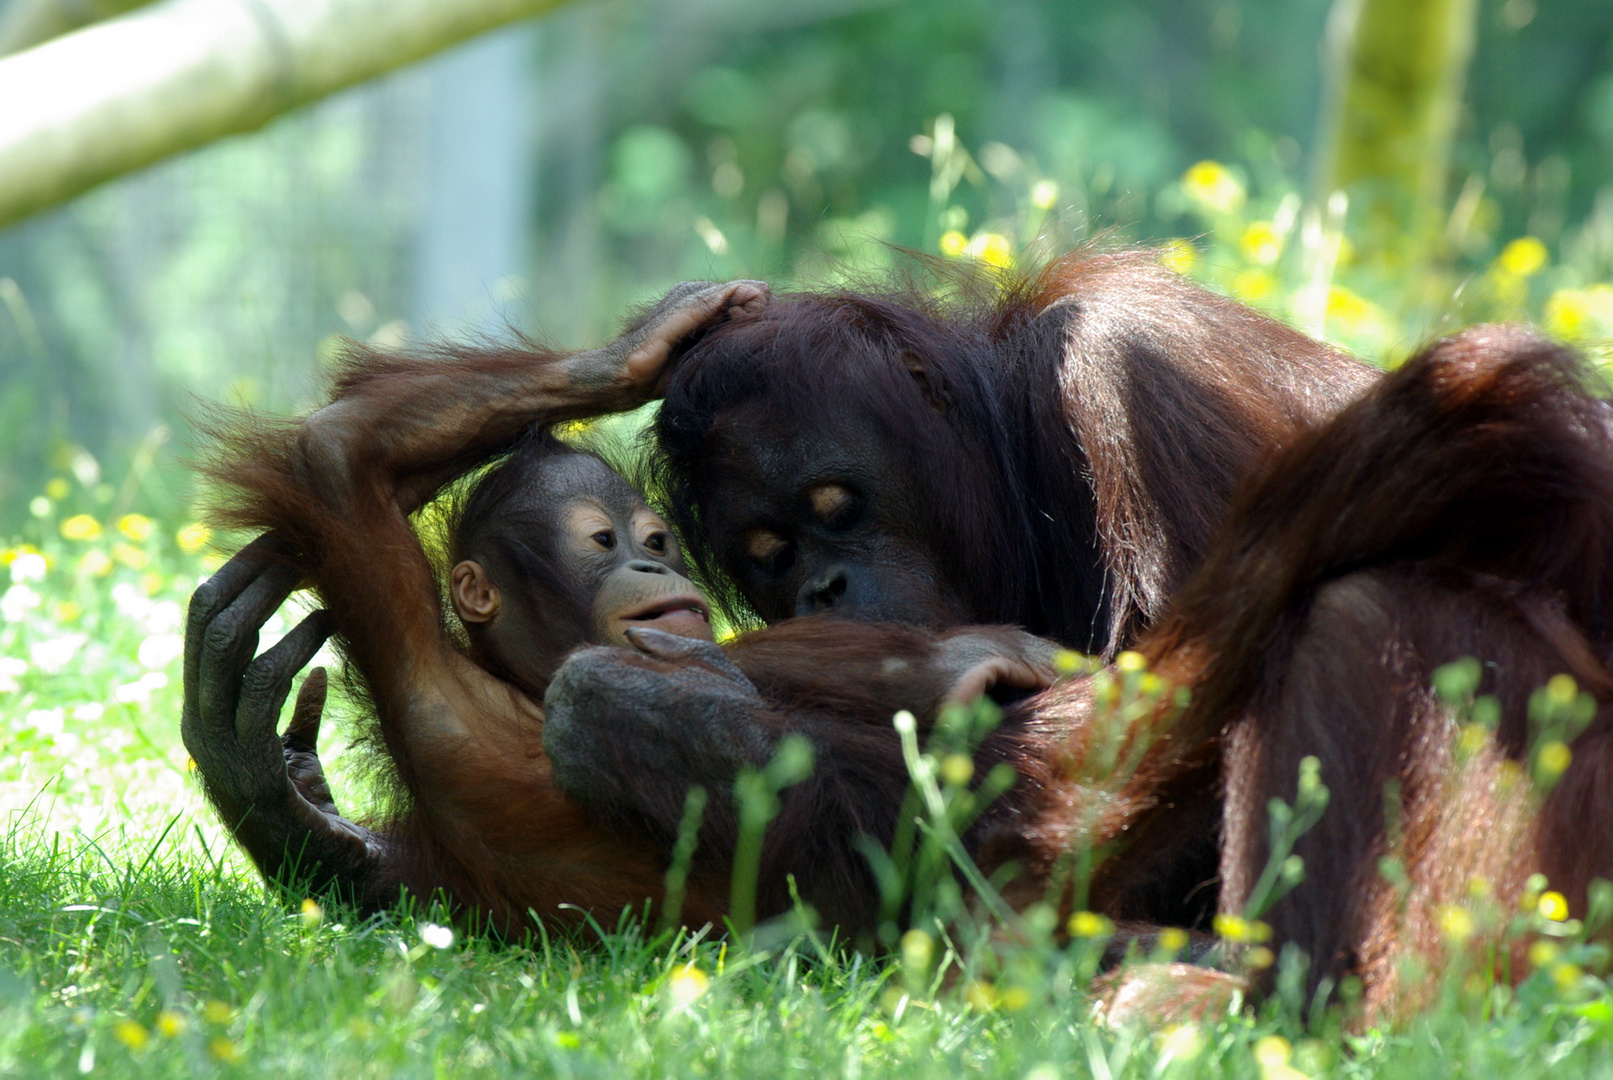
point(585, 561)
point(639, 570)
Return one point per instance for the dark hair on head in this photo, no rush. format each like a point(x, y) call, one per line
point(493, 519)
point(948, 389)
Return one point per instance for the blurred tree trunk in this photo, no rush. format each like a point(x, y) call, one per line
point(119, 95)
point(25, 23)
point(1395, 71)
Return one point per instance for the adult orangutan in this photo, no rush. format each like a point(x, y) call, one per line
point(1462, 507)
point(1053, 453)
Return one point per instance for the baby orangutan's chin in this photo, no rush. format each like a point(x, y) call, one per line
point(684, 615)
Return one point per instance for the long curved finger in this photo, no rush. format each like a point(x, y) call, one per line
point(650, 357)
point(302, 734)
point(997, 671)
point(219, 591)
point(230, 640)
point(267, 680)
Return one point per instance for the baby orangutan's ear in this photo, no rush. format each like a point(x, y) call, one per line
point(476, 598)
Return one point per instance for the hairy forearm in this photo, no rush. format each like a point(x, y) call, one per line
point(399, 427)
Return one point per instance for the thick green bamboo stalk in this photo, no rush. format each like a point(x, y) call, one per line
point(119, 95)
point(1395, 73)
point(26, 23)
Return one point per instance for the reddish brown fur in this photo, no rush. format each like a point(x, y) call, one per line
point(1067, 443)
point(1462, 508)
point(478, 816)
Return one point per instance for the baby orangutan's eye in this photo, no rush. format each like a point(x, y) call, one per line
point(656, 542)
point(605, 539)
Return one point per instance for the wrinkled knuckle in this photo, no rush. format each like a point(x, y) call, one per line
point(220, 639)
point(259, 680)
point(202, 601)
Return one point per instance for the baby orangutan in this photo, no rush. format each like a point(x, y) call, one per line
point(551, 550)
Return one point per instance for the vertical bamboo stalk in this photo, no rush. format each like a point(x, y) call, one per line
point(1395, 71)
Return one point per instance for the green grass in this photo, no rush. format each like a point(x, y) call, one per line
point(135, 941)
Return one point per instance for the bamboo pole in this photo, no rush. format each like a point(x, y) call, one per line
point(1395, 74)
point(116, 96)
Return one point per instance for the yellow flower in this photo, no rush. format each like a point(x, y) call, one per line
point(130, 556)
point(216, 1012)
point(1131, 662)
point(1254, 285)
point(193, 537)
point(1523, 257)
point(1261, 243)
point(1273, 1051)
point(917, 950)
point(1581, 313)
point(1554, 759)
point(1455, 922)
point(686, 985)
point(1089, 924)
point(1471, 739)
point(1553, 906)
point(1016, 998)
point(1561, 690)
point(956, 769)
point(1212, 185)
point(169, 1023)
point(993, 249)
point(1260, 958)
point(312, 914)
point(1067, 662)
point(1566, 975)
point(95, 563)
point(1044, 193)
point(131, 1034)
point(225, 1050)
point(1353, 312)
point(1542, 953)
point(1237, 928)
point(980, 995)
point(136, 527)
point(953, 242)
point(1179, 255)
point(1173, 939)
point(57, 488)
point(81, 527)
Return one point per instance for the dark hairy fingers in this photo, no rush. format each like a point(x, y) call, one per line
point(975, 662)
point(270, 791)
point(638, 358)
point(300, 746)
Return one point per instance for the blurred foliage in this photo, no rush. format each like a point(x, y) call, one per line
point(797, 143)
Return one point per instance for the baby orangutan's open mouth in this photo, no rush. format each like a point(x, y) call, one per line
point(685, 616)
